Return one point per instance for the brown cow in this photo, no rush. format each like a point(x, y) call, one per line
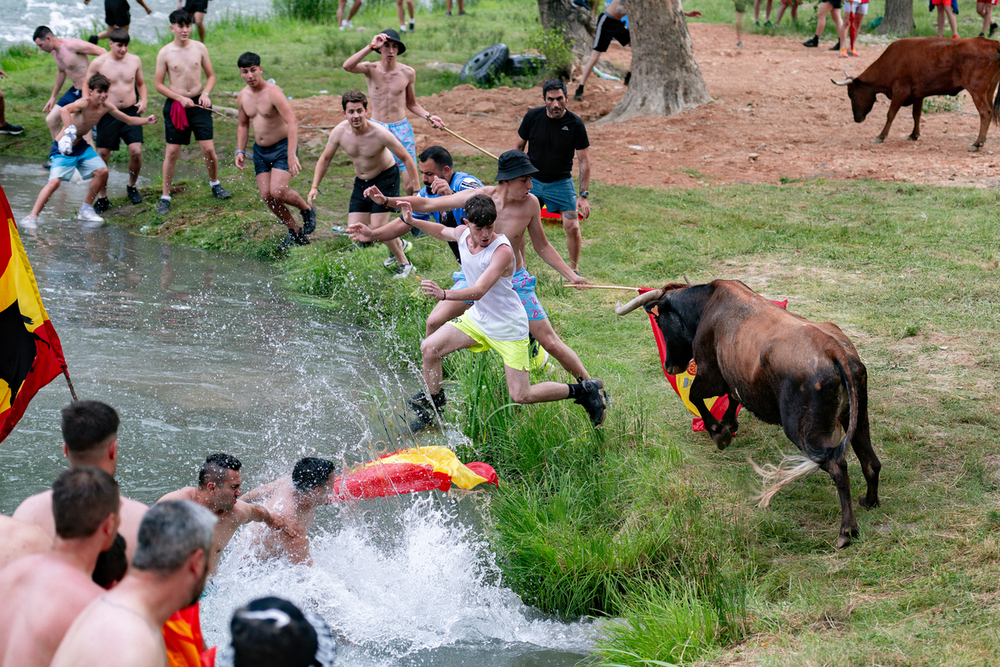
point(784, 369)
point(917, 67)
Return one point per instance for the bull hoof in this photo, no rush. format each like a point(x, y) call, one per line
point(974, 148)
point(864, 502)
point(843, 541)
point(722, 439)
point(878, 140)
point(912, 137)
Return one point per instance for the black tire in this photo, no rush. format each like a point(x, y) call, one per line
point(524, 65)
point(485, 65)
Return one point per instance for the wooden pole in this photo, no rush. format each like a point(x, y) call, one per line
point(72, 392)
point(483, 150)
point(618, 287)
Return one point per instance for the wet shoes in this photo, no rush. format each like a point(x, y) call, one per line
point(404, 271)
point(133, 194)
point(293, 238)
point(102, 204)
point(390, 260)
point(220, 192)
point(426, 411)
point(163, 206)
point(309, 220)
point(593, 400)
point(88, 214)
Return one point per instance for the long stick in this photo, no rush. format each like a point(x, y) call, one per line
point(631, 289)
point(224, 115)
point(482, 150)
point(72, 392)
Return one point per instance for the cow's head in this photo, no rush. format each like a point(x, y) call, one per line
point(677, 311)
point(862, 96)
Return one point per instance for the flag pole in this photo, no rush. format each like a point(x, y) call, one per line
point(69, 382)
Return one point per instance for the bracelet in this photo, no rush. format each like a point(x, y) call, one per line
point(444, 297)
point(244, 152)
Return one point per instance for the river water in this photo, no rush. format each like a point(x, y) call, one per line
point(203, 352)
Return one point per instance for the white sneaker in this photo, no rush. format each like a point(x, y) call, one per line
point(345, 24)
point(404, 271)
point(402, 28)
point(30, 222)
point(390, 261)
point(88, 214)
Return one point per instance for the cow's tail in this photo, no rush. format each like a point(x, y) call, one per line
point(795, 466)
point(994, 81)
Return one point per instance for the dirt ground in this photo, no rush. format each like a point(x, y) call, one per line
point(775, 115)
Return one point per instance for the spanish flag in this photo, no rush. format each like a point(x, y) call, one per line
point(30, 352)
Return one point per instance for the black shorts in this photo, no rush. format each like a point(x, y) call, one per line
point(609, 28)
point(199, 122)
point(388, 184)
point(192, 6)
point(116, 13)
point(266, 158)
point(837, 4)
point(111, 131)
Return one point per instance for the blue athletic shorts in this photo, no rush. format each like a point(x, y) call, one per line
point(557, 196)
point(523, 283)
point(70, 96)
point(266, 158)
point(83, 158)
point(403, 131)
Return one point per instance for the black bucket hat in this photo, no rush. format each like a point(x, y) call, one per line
point(513, 164)
point(393, 37)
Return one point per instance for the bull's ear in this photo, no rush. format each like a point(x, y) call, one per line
point(653, 309)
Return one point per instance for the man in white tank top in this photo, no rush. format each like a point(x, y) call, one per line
point(496, 320)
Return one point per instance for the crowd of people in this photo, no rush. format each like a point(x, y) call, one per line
point(81, 563)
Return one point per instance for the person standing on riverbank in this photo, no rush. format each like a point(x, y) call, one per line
point(127, 94)
point(117, 15)
point(371, 148)
point(5, 127)
point(71, 59)
point(391, 89)
point(197, 9)
point(70, 152)
point(187, 107)
point(275, 148)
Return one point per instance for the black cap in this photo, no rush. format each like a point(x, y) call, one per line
point(271, 632)
point(393, 37)
point(513, 164)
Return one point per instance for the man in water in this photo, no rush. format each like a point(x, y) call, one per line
point(187, 107)
point(295, 499)
point(121, 628)
point(371, 148)
point(127, 94)
point(90, 438)
point(71, 59)
point(517, 211)
point(70, 152)
point(44, 593)
point(497, 319)
point(275, 148)
point(219, 490)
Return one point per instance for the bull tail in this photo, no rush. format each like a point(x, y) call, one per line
point(994, 80)
point(795, 466)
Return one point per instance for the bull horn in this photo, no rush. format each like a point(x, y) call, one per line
point(686, 280)
point(847, 79)
point(637, 301)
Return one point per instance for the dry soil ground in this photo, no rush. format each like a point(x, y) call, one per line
point(775, 115)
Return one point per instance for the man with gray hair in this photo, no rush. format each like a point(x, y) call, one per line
point(168, 573)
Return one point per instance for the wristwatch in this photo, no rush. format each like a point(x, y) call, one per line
point(585, 193)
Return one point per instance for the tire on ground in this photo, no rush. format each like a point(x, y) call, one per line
point(485, 65)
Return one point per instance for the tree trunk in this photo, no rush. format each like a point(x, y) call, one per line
point(665, 76)
point(578, 23)
point(898, 18)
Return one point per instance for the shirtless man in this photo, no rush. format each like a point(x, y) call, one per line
point(18, 539)
point(517, 211)
point(90, 438)
point(124, 71)
point(275, 148)
point(497, 319)
point(197, 9)
point(371, 148)
point(295, 499)
point(71, 59)
point(44, 593)
point(70, 152)
point(219, 490)
point(390, 87)
point(186, 108)
point(121, 628)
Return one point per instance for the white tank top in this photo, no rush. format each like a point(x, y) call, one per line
point(499, 313)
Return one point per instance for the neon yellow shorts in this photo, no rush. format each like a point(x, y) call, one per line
point(513, 352)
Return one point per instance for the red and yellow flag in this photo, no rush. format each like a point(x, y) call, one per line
point(30, 352)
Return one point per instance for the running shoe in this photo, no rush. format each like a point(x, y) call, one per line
point(309, 220)
point(843, 53)
point(812, 42)
point(88, 214)
point(593, 400)
point(835, 47)
point(345, 24)
point(739, 45)
point(404, 271)
point(163, 206)
point(220, 192)
point(412, 27)
point(578, 95)
point(993, 28)
point(390, 260)
point(7, 128)
point(29, 222)
point(425, 410)
point(293, 238)
point(133, 194)
point(538, 358)
point(102, 204)
point(853, 52)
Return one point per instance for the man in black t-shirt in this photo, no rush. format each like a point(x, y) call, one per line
point(552, 134)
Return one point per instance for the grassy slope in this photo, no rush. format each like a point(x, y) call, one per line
point(910, 272)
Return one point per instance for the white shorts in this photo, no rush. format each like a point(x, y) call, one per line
point(855, 7)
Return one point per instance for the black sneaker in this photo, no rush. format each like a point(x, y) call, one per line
point(309, 220)
point(46, 166)
point(220, 192)
point(92, 39)
point(133, 194)
point(593, 400)
point(812, 41)
point(578, 95)
point(163, 206)
point(835, 47)
point(993, 28)
point(411, 27)
point(102, 204)
point(293, 238)
point(424, 410)
point(628, 77)
point(7, 128)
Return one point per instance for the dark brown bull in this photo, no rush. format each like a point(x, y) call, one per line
point(805, 376)
point(917, 67)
